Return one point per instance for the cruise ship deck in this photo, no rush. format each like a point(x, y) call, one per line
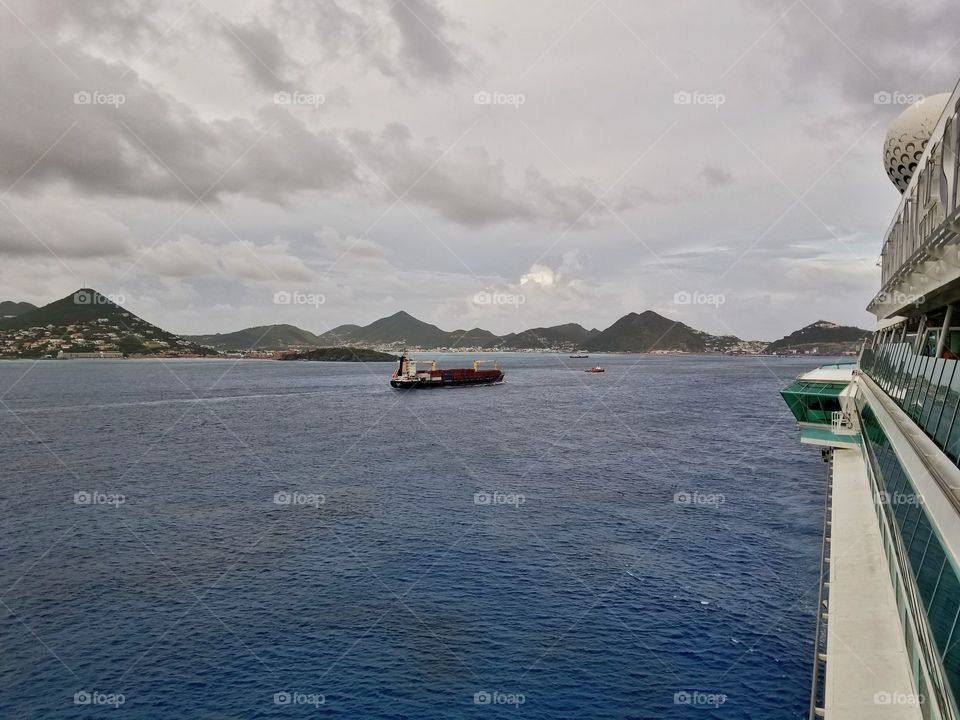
point(869, 663)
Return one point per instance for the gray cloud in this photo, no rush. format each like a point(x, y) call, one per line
point(425, 46)
point(301, 185)
point(715, 176)
point(154, 146)
point(51, 226)
point(894, 45)
point(261, 51)
point(151, 145)
point(469, 186)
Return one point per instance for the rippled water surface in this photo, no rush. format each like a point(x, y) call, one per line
point(583, 588)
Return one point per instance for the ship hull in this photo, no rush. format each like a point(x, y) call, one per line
point(453, 380)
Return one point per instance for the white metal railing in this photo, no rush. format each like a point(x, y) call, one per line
point(841, 423)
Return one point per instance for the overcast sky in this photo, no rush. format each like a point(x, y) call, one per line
point(499, 164)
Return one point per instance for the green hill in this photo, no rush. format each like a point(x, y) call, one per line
point(649, 331)
point(262, 337)
point(89, 320)
point(570, 335)
point(401, 328)
point(821, 338)
point(342, 354)
point(339, 334)
point(9, 308)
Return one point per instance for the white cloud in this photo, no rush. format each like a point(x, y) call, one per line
point(540, 276)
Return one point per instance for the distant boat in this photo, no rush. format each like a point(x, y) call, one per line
point(595, 368)
point(579, 357)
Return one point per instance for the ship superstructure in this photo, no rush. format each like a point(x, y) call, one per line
point(888, 620)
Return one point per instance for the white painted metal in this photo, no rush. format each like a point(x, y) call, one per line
point(944, 330)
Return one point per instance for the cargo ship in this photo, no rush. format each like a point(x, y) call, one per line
point(407, 375)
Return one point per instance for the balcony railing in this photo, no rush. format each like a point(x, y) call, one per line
point(928, 212)
point(842, 424)
point(925, 387)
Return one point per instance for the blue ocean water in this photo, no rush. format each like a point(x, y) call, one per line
point(255, 539)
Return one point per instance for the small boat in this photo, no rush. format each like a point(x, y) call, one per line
point(595, 368)
point(579, 357)
point(407, 376)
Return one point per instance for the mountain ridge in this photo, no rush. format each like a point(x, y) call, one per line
point(634, 332)
point(87, 320)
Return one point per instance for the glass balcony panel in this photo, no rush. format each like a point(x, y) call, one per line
point(906, 379)
point(897, 357)
point(948, 430)
point(906, 515)
point(918, 545)
point(951, 665)
point(943, 610)
point(929, 574)
point(940, 418)
point(917, 382)
point(930, 408)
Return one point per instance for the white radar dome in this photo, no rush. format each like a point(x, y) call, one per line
point(908, 136)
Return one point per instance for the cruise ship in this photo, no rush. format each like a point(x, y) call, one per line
point(887, 637)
